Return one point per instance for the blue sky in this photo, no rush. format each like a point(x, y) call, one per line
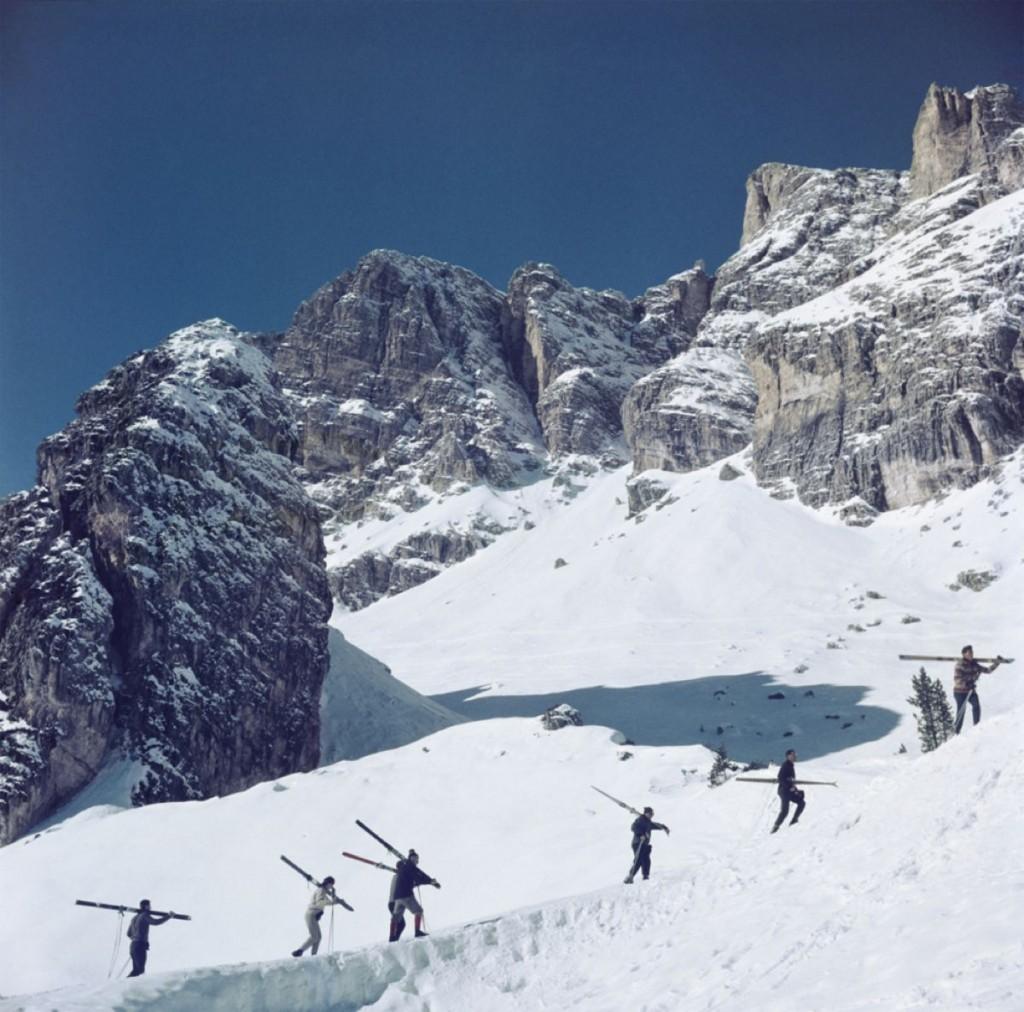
point(162, 163)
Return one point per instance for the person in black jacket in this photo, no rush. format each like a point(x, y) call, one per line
point(643, 826)
point(788, 791)
point(406, 878)
point(138, 932)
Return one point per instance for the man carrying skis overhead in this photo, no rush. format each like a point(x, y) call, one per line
point(788, 791)
point(322, 899)
point(965, 681)
point(407, 877)
point(643, 826)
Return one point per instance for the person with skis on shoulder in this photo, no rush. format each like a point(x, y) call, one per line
point(322, 899)
point(406, 878)
point(965, 683)
point(788, 791)
point(643, 826)
point(138, 932)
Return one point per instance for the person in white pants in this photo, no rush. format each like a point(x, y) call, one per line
point(322, 899)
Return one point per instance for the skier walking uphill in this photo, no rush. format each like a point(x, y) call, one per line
point(965, 681)
point(643, 826)
point(788, 791)
point(138, 932)
point(322, 899)
point(407, 876)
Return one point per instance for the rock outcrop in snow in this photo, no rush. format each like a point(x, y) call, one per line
point(164, 590)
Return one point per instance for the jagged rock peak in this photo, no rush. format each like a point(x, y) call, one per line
point(959, 133)
point(180, 557)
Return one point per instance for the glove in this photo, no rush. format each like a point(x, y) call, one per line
point(667, 832)
point(435, 883)
point(391, 907)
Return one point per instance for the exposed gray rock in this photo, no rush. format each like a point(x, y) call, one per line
point(397, 372)
point(56, 695)
point(561, 716)
point(691, 412)
point(729, 473)
point(184, 562)
point(577, 352)
point(906, 380)
point(414, 560)
point(644, 490)
point(959, 134)
point(976, 580)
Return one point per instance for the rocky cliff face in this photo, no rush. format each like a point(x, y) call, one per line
point(168, 598)
point(414, 379)
point(397, 373)
point(879, 332)
point(959, 134)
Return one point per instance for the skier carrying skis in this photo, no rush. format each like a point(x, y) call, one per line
point(788, 791)
point(406, 878)
point(643, 826)
point(965, 681)
point(322, 899)
point(138, 932)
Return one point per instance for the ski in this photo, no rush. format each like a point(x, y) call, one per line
point(621, 804)
point(982, 660)
point(131, 910)
point(366, 860)
point(384, 843)
point(765, 780)
point(319, 885)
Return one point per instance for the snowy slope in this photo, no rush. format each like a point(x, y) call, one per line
point(898, 890)
point(721, 581)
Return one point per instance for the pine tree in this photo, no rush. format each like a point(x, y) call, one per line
point(934, 719)
point(942, 710)
point(720, 767)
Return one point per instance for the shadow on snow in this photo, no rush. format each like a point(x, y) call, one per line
point(732, 709)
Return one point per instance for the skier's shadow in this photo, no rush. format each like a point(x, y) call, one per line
point(734, 710)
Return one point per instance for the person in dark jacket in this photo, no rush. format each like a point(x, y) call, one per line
point(788, 791)
point(643, 826)
point(138, 932)
point(406, 878)
point(965, 681)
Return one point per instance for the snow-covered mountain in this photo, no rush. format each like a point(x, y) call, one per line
point(709, 515)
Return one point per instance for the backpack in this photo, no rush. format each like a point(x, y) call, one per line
point(131, 928)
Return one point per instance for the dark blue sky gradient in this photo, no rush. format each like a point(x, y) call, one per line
point(162, 163)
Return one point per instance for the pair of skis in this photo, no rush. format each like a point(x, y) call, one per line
point(927, 657)
point(131, 910)
point(309, 878)
point(384, 843)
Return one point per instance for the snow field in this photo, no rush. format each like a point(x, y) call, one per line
point(896, 891)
